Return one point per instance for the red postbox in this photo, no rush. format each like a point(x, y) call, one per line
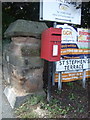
point(51, 44)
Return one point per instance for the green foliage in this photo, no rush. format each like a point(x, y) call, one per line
point(54, 108)
point(35, 100)
point(58, 91)
point(26, 109)
point(30, 115)
point(71, 84)
point(72, 96)
point(6, 20)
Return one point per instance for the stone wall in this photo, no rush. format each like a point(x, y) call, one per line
point(22, 65)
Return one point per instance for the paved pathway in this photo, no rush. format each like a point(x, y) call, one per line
point(0, 94)
point(5, 109)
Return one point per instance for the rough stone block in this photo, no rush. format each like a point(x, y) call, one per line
point(24, 49)
point(31, 82)
point(22, 61)
point(25, 40)
point(6, 74)
point(29, 62)
point(24, 80)
point(25, 28)
point(6, 70)
point(24, 46)
point(30, 50)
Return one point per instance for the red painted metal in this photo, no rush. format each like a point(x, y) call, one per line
point(51, 44)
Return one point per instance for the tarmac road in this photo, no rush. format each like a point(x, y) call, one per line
point(7, 111)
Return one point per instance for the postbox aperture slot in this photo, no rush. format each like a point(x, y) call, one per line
point(55, 37)
point(56, 34)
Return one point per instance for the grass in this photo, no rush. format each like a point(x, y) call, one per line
point(71, 84)
point(72, 96)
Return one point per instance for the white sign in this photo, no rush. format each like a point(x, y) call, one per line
point(72, 64)
point(83, 35)
point(64, 11)
point(69, 34)
point(83, 38)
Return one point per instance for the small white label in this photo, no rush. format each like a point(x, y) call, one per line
point(7, 58)
point(55, 50)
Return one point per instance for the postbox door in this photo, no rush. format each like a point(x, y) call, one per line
point(55, 51)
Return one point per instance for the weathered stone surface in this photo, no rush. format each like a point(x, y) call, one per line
point(27, 62)
point(24, 46)
point(31, 82)
point(24, 49)
point(22, 64)
point(30, 50)
point(6, 73)
point(25, 28)
point(24, 80)
point(25, 40)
